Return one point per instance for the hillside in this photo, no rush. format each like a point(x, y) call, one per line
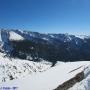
point(61, 77)
point(36, 61)
point(51, 47)
point(11, 68)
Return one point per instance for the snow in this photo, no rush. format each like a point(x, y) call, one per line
point(49, 79)
point(15, 36)
point(18, 68)
point(52, 36)
point(45, 39)
point(85, 83)
point(29, 75)
point(0, 37)
point(82, 36)
point(68, 38)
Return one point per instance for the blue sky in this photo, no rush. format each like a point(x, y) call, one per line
point(53, 16)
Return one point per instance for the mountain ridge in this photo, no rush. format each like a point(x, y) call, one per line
point(50, 47)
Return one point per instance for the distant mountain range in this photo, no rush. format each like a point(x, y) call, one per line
point(36, 46)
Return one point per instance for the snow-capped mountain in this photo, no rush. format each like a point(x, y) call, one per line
point(28, 61)
point(52, 47)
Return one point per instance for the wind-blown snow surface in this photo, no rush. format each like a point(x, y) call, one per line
point(11, 68)
point(53, 77)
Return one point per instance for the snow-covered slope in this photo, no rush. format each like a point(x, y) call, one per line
point(66, 47)
point(52, 78)
point(29, 75)
point(83, 36)
point(0, 37)
point(85, 83)
point(5, 37)
point(11, 68)
point(15, 36)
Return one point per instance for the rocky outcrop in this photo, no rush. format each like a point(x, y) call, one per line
point(66, 85)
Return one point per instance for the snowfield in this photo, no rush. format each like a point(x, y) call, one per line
point(49, 79)
point(11, 68)
point(15, 36)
